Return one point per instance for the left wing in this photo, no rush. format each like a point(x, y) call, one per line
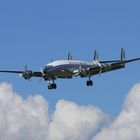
point(106, 67)
point(127, 61)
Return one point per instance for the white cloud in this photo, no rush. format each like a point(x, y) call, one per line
point(22, 119)
point(127, 125)
point(73, 122)
point(29, 119)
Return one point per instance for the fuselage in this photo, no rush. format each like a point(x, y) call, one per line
point(67, 68)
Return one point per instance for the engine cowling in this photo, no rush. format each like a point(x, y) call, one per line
point(27, 74)
point(83, 72)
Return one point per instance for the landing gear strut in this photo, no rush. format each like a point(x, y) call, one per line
point(52, 85)
point(89, 82)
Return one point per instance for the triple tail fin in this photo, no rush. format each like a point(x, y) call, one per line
point(123, 56)
point(96, 56)
point(70, 56)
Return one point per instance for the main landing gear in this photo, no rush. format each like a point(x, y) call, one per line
point(52, 85)
point(89, 82)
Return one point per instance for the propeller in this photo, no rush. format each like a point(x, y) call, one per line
point(27, 74)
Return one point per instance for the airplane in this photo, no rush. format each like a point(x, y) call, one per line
point(67, 69)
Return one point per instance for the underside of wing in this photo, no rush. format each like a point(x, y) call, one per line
point(37, 74)
point(107, 67)
point(27, 74)
point(34, 74)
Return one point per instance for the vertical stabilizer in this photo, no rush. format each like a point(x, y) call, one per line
point(123, 57)
point(69, 56)
point(96, 56)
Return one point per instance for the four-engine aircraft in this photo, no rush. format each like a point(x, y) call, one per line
point(70, 68)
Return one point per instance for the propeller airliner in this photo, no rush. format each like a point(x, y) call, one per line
point(67, 69)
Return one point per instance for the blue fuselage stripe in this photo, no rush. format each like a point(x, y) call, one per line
point(66, 66)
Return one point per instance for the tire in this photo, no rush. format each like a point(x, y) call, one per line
point(88, 83)
point(54, 86)
point(91, 83)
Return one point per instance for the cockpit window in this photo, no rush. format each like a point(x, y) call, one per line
point(48, 67)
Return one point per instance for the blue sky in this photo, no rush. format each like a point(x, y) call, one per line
point(36, 32)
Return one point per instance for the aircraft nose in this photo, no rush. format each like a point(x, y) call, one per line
point(44, 70)
point(47, 68)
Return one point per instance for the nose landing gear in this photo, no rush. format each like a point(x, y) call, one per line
point(52, 85)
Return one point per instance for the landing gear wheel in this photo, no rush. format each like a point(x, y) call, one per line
point(52, 86)
point(49, 87)
point(89, 83)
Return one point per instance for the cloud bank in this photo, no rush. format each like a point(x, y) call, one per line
point(127, 125)
point(26, 119)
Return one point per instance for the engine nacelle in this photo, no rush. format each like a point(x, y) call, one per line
point(84, 72)
point(27, 74)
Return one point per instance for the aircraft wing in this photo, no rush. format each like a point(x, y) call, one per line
point(127, 61)
point(27, 73)
point(16, 72)
point(37, 74)
point(112, 61)
point(106, 67)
